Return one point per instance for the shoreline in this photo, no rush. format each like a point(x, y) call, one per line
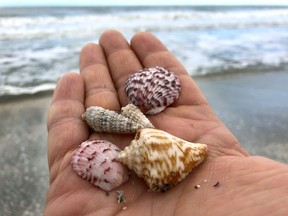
point(22, 97)
point(200, 78)
point(253, 106)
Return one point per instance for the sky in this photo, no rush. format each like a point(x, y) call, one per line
point(137, 2)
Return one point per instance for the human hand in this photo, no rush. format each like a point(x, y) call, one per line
point(247, 185)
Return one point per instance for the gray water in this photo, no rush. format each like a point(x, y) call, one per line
point(39, 45)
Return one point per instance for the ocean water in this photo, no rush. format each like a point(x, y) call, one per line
point(39, 45)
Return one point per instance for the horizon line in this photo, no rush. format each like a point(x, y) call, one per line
point(147, 5)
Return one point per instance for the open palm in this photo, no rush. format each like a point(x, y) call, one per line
point(247, 185)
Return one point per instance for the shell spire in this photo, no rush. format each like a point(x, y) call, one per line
point(160, 158)
point(134, 113)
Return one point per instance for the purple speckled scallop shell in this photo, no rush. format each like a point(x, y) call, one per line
point(94, 161)
point(152, 89)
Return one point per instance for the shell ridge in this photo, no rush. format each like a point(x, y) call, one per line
point(156, 87)
point(99, 169)
point(135, 115)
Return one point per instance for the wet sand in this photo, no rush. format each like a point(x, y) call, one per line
point(24, 170)
point(254, 106)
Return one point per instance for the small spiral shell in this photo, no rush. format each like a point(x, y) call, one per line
point(128, 121)
point(152, 89)
point(103, 120)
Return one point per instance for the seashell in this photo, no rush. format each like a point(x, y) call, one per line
point(134, 113)
point(160, 158)
point(152, 89)
point(94, 160)
point(103, 120)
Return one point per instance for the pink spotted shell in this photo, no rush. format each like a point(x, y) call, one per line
point(94, 160)
point(152, 89)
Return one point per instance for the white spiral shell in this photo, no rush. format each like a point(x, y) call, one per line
point(104, 120)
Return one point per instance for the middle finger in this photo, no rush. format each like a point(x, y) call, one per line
point(121, 59)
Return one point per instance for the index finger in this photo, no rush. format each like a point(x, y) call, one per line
point(121, 59)
point(64, 124)
point(99, 87)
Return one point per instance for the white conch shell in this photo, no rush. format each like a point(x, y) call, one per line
point(104, 120)
point(160, 158)
point(134, 113)
point(94, 161)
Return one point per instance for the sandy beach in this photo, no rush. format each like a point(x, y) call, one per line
point(24, 171)
point(253, 105)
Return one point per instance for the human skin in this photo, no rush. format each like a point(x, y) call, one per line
point(248, 185)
